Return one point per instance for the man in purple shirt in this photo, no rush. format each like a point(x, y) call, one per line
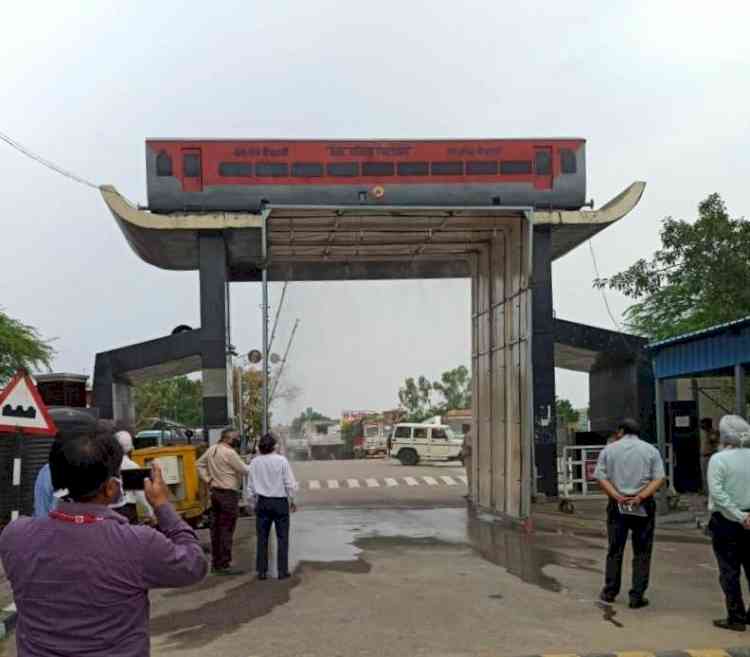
point(81, 576)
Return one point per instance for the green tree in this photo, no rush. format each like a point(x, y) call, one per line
point(21, 347)
point(179, 399)
point(566, 414)
point(416, 399)
point(455, 387)
point(252, 396)
point(697, 278)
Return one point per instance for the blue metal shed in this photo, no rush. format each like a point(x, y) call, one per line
point(719, 350)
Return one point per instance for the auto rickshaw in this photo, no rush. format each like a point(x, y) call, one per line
point(187, 492)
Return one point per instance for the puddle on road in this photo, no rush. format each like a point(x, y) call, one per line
point(333, 540)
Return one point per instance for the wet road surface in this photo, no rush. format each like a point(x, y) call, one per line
point(436, 581)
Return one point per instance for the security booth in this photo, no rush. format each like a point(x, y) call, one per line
point(698, 375)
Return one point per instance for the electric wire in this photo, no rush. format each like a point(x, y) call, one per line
point(44, 162)
point(601, 289)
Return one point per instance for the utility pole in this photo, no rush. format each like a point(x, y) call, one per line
point(264, 282)
point(283, 360)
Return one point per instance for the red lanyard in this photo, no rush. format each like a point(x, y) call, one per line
point(85, 519)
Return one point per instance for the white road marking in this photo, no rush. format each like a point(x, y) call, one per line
point(464, 479)
point(332, 483)
point(372, 483)
point(390, 482)
point(411, 481)
point(314, 484)
point(708, 566)
point(353, 483)
point(450, 481)
point(431, 481)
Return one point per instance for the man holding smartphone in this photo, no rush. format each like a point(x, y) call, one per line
point(630, 471)
point(95, 567)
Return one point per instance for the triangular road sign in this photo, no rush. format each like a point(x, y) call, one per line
point(22, 409)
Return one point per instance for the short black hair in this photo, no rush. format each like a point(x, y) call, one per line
point(629, 426)
point(83, 464)
point(226, 431)
point(707, 423)
point(267, 443)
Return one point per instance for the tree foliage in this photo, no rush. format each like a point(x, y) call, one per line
point(179, 399)
point(252, 397)
point(21, 347)
point(453, 391)
point(698, 278)
point(566, 414)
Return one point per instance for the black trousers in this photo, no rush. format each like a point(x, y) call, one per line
point(731, 543)
point(642, 537)
point(272, 511)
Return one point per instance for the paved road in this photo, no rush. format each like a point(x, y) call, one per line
point(408, 570)
point(379, 482)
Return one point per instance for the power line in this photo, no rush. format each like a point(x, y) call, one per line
point(44, 162)
point(601, 289)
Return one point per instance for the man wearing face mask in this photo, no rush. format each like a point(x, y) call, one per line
point(223, 471)
point(81, 576)
point(128, 504)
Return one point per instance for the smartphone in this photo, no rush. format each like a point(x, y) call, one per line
point(133, 479)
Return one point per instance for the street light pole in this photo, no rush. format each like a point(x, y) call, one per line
point(264, 283)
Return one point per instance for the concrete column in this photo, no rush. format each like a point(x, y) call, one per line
point(740, 404)
point(500, 371)
point(214, 331)
point(543, 348)
point(661, 443)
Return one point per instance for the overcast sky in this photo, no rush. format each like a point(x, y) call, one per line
point(659, 90)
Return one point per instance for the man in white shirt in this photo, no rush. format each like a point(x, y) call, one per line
point(130, 500)
point(729, 504)
point(271, 486)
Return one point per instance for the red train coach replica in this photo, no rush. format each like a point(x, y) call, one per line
point(243, 175)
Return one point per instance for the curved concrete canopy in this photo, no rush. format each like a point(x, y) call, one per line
point(348, 242)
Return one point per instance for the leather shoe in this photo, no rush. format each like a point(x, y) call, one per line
point(726, 624)
point(262, 576)
point(607, 597)
point(638, 603)
point(284, 576)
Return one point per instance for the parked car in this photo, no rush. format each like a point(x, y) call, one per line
point(412, 443)
point(159, 438)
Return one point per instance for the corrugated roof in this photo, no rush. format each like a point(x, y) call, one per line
point(711, 330)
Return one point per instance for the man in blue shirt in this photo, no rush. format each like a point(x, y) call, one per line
point(729, 503)
point(44, 493)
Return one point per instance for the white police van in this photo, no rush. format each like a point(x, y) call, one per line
point(411, 443)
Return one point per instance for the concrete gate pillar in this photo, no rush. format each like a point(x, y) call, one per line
point(545, 432)
point(216, 361)
point(501, 384)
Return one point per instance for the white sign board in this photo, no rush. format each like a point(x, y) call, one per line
point(682, 421)
point(170, 469)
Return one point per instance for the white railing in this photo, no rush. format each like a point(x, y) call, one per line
point(576, 471)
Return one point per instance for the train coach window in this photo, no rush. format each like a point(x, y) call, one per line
point(413, 169)
point(343, 169)
point(543, 162)
point(191, 165)
point(567, 161)
point(163, 164)
point(235, 169)
point(481, 168)
point(447, 168)
point(515, 167)
point(377, 168)
point(271, 169)
point(307, 170)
